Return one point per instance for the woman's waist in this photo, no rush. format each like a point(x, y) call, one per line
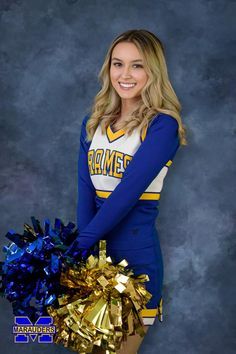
point(136, 229)
point(143, 215)
point(132, 236)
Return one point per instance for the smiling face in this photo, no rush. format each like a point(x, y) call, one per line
point(127, 73)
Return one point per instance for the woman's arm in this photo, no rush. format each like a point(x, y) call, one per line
point(159, 146)
point(86, 206)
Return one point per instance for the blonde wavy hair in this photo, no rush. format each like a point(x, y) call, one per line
point(157, 95)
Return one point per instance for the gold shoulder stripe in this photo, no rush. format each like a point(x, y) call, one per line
point(144, 133)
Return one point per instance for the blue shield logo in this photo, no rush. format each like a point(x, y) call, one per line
point(43, 329)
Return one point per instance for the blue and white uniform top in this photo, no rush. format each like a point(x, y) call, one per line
point(109, 156)
point(120, 179)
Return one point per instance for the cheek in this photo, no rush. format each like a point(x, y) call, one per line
point(141, 78)
point(144, 79)
point(113, 74)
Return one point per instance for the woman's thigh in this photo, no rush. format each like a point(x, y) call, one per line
point(132, 344)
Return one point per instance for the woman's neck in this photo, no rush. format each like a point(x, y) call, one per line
point(127, 107)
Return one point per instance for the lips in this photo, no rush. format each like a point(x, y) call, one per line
point(127, 84)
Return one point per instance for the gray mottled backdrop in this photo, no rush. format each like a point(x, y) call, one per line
point(50, 54)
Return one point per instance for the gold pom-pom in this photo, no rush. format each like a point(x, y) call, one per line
point(102, 306)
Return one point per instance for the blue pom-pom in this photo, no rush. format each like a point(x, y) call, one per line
point(30, 274)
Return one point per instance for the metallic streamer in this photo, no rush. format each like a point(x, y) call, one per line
point(109, 313)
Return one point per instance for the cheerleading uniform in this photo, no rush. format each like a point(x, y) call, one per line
point(120, 179)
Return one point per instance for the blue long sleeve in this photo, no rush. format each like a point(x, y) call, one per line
point(86, 206)
point(159, 146)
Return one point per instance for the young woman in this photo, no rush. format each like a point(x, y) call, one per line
point(127, 145)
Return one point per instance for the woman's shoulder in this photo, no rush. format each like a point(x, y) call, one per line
point(85, 119)
point(164, 119)
point(160, 122)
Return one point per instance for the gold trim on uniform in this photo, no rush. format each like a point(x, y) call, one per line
point(113, 136)
point(144, 133)
point(144, 196)
point(152, 313)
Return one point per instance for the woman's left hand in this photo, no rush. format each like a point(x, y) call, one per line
point(74, 250)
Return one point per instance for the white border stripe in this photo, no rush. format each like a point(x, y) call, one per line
point(148, 320)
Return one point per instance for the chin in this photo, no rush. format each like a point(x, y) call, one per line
point(127, 94)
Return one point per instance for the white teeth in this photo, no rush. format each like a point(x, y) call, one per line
point(126, 85)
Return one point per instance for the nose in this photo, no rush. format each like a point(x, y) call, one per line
point(126, 72)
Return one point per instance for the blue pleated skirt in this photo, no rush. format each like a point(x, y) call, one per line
point(147, 260)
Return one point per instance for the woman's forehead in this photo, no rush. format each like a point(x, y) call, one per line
point(127, 51)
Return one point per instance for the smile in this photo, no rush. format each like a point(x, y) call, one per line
point(126, 85)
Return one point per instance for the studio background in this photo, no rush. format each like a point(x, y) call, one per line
point(50, 55)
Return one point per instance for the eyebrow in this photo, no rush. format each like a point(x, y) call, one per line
point(131, 60)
